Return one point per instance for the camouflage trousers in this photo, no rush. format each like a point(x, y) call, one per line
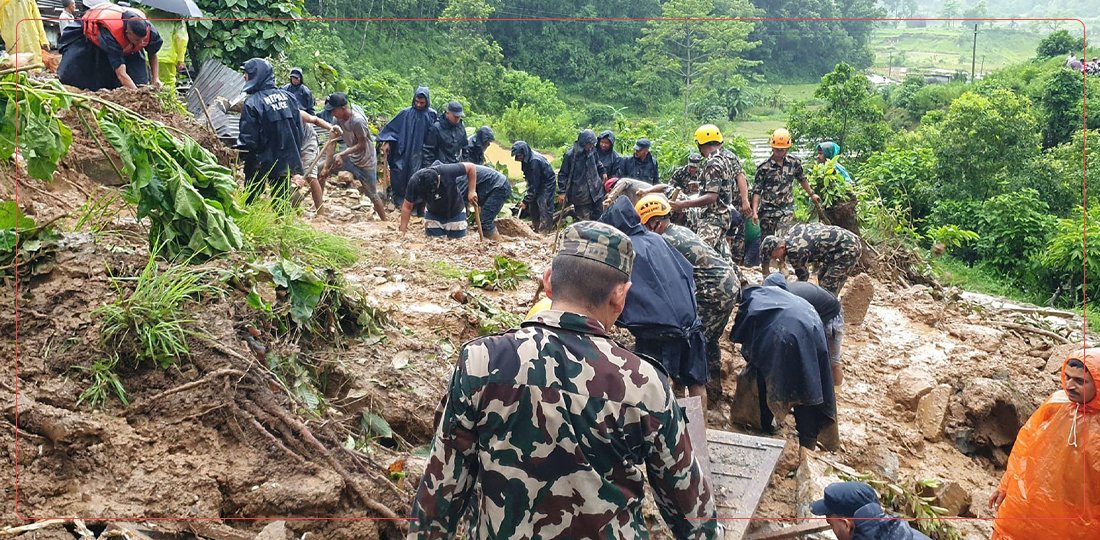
point(775, 220)
point(713, 233)
point(715, 311)
point(832, 273)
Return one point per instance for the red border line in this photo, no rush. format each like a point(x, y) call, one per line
point(586, 20)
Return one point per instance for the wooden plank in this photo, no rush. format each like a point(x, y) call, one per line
point(741, 467)
point(697, 431)
point(802, 529)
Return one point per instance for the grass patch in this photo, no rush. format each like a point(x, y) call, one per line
point(272, 226)
point(447, 270)
point(981, 279)
point(150, 323)
point(949, 47)
point(105, 382)
point(757, 128)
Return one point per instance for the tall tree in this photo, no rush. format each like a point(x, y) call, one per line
point(473, 60)
point(852, 115)
point(694, 53)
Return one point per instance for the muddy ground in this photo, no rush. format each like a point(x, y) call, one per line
point(936, 385)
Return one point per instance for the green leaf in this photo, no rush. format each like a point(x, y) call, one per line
point(374, 425)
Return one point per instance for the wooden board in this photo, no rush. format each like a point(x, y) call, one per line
point(740, 467)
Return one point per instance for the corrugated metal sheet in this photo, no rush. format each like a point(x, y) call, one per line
point(740, 467)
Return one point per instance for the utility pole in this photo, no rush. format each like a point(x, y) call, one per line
point(890, 66)
point(981, 71)
point(974, 53)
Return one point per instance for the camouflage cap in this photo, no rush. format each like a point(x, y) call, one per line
point(695, 158)
point(768, 245)
point(598, 242)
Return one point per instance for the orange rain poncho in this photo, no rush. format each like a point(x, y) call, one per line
point(1052, 483)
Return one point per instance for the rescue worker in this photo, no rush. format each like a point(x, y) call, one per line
point(359, 157)
point(172, 55)
point(580, 179)
point(270, 131)
point(108, 50)
point(444, 199)
point(686, 178)
point(300, 91)
point(717, 281)
point(446, 138)
point(828, 308)
point(853, 513)
point(477, 144)
point(1055, 462)
point(488, 189)
point(544, 429)
point(834, 251)
point(629, 188)
point(311, 161)
point(772, 197)
point(786, 366)
point(610, 159)
point(842, 212)
point(642, 165)
point(724, 184)
point(22, 30)
point(541, 183)
point(403, 141)
point(660, 310)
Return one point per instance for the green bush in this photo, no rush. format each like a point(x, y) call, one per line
point(1014, 227)
point(526, 124)
point(1057, 44)
point(905, 179)
point(1065, 257)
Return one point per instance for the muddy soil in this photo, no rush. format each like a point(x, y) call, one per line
point(220, 449)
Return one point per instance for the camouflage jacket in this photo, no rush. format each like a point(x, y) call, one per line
point(715, 276)
point(681, 178)
point(719, 176)
point(774, 182)
point(814, 243)
point(554, 422)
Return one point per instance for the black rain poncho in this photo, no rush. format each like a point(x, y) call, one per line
point(406, 131)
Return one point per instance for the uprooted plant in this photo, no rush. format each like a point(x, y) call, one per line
point(149, 323)
point(898, 498)
point(178, 185)
point(105, 382)
point(505, 275)
point(23, 240)
point(272, 226)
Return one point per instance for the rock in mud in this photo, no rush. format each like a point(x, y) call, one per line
point(857, 298)
point(1059, 354)
point(986, 417)
point(932, 411)
point(910, 385)
point(980, 337)
point(952, 496)
point(273, 531)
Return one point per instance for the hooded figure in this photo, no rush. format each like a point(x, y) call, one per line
point(660, 307)
point(611, 160)
point(842, 212)
point(271, 131)
point(476, 145)
point(300, 91)
point(541, 179)
point(581, 177)
point(1054, 466)
point(783, 342)
point(405, 135)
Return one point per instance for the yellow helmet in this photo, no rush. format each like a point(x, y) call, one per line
point(707, 133)
point(652, 205)
point(781, 138)
point(539, 307)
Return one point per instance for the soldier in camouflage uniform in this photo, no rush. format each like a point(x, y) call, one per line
point(833, 250)
point(554, 422)
point(724, 184)
point(772, 197)
point(717, 282)
point(687, 180)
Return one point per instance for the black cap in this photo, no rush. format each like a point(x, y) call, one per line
point(455, 108)
point(843, 499)
point(336, 100)
point(642, 143)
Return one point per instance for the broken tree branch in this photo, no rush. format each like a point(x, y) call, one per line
point(16, 531)
point(1032, 330)
point(185, 387)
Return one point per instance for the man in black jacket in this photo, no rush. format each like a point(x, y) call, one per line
point(605, 152)
point(271, 131)
point(475, 147)
point(642, 165)
point(300, 91)
point(541, 179)
point(446, 138)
